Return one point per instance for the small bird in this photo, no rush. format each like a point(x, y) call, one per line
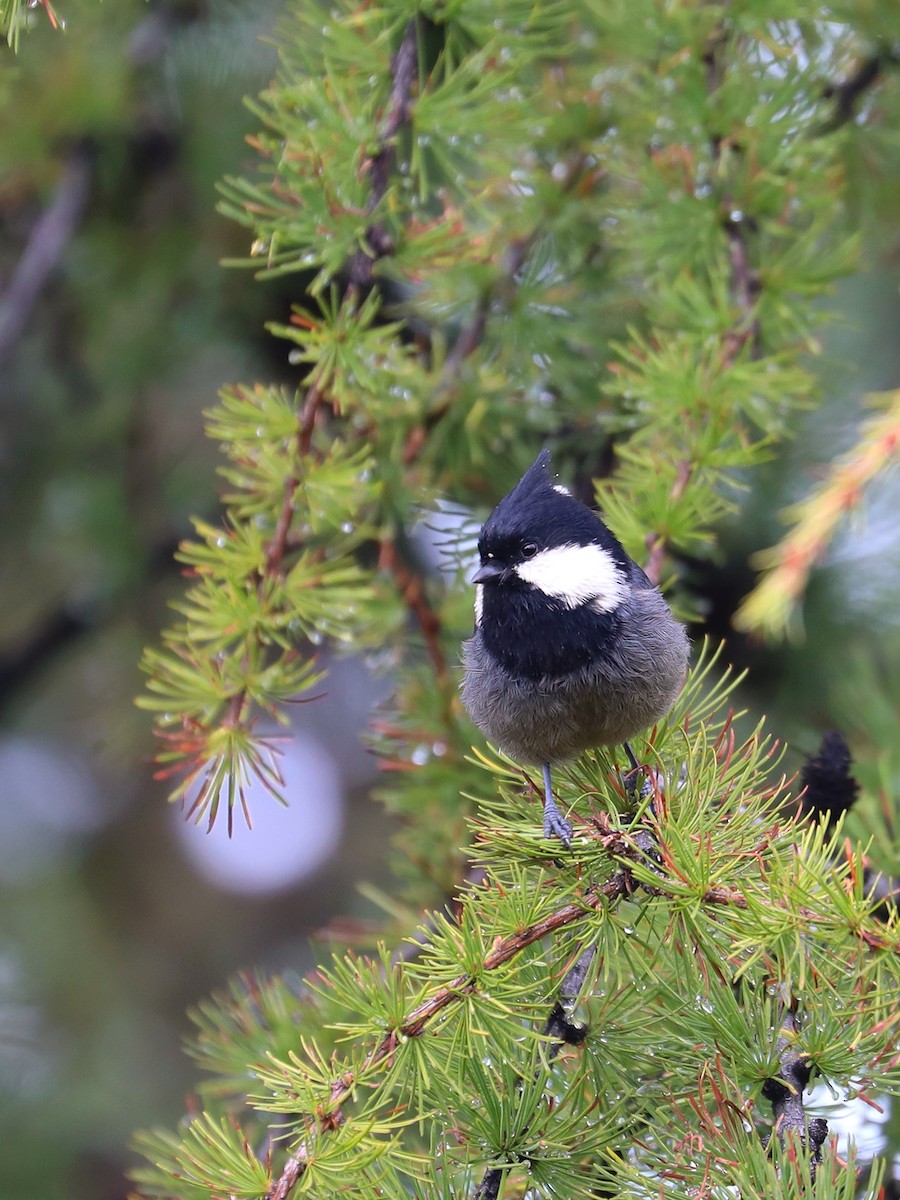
point(573, 645)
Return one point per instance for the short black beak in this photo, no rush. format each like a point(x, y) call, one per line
point(488, 572)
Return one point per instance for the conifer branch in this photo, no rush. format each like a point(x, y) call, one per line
point(351, 1064)
point(417, 1021)
point(507, 948)
point(619, 884)
point(501, 290)
point(787, 566)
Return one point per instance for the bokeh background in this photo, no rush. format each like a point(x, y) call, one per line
point(118, 324)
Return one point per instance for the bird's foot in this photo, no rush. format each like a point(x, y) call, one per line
point(637, 785)
point(555, 825)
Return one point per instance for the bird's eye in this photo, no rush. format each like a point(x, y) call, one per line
point(529, 549)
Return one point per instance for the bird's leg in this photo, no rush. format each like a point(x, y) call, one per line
point(644, 839)
point(652, 781)
point(554, 824)
point(633, 777)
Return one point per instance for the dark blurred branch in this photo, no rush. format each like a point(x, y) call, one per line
point(49, 238)
point(27, 659)
point(489, 1188)
point(785, 1094)
point(559, 1024)
point(847, 93)
point(60, 628)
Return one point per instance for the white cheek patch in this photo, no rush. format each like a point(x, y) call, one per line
point(562, 489)
point(574, 575)
point(479, 602)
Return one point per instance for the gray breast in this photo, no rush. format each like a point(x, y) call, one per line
point(621, 692)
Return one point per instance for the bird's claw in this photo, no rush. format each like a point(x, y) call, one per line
point(556, 826)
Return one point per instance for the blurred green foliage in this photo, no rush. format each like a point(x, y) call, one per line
point(121, 124)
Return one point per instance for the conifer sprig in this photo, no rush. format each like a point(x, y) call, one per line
point(772, 607)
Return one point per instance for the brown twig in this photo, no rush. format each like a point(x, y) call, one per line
point(744, 281)
point(361, 277)
point(380, 166)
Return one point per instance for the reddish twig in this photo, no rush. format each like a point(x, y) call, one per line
point(412, 590)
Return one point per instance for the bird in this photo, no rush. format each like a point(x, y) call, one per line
point(573, 646)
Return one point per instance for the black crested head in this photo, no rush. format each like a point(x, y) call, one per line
point(542, 512)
